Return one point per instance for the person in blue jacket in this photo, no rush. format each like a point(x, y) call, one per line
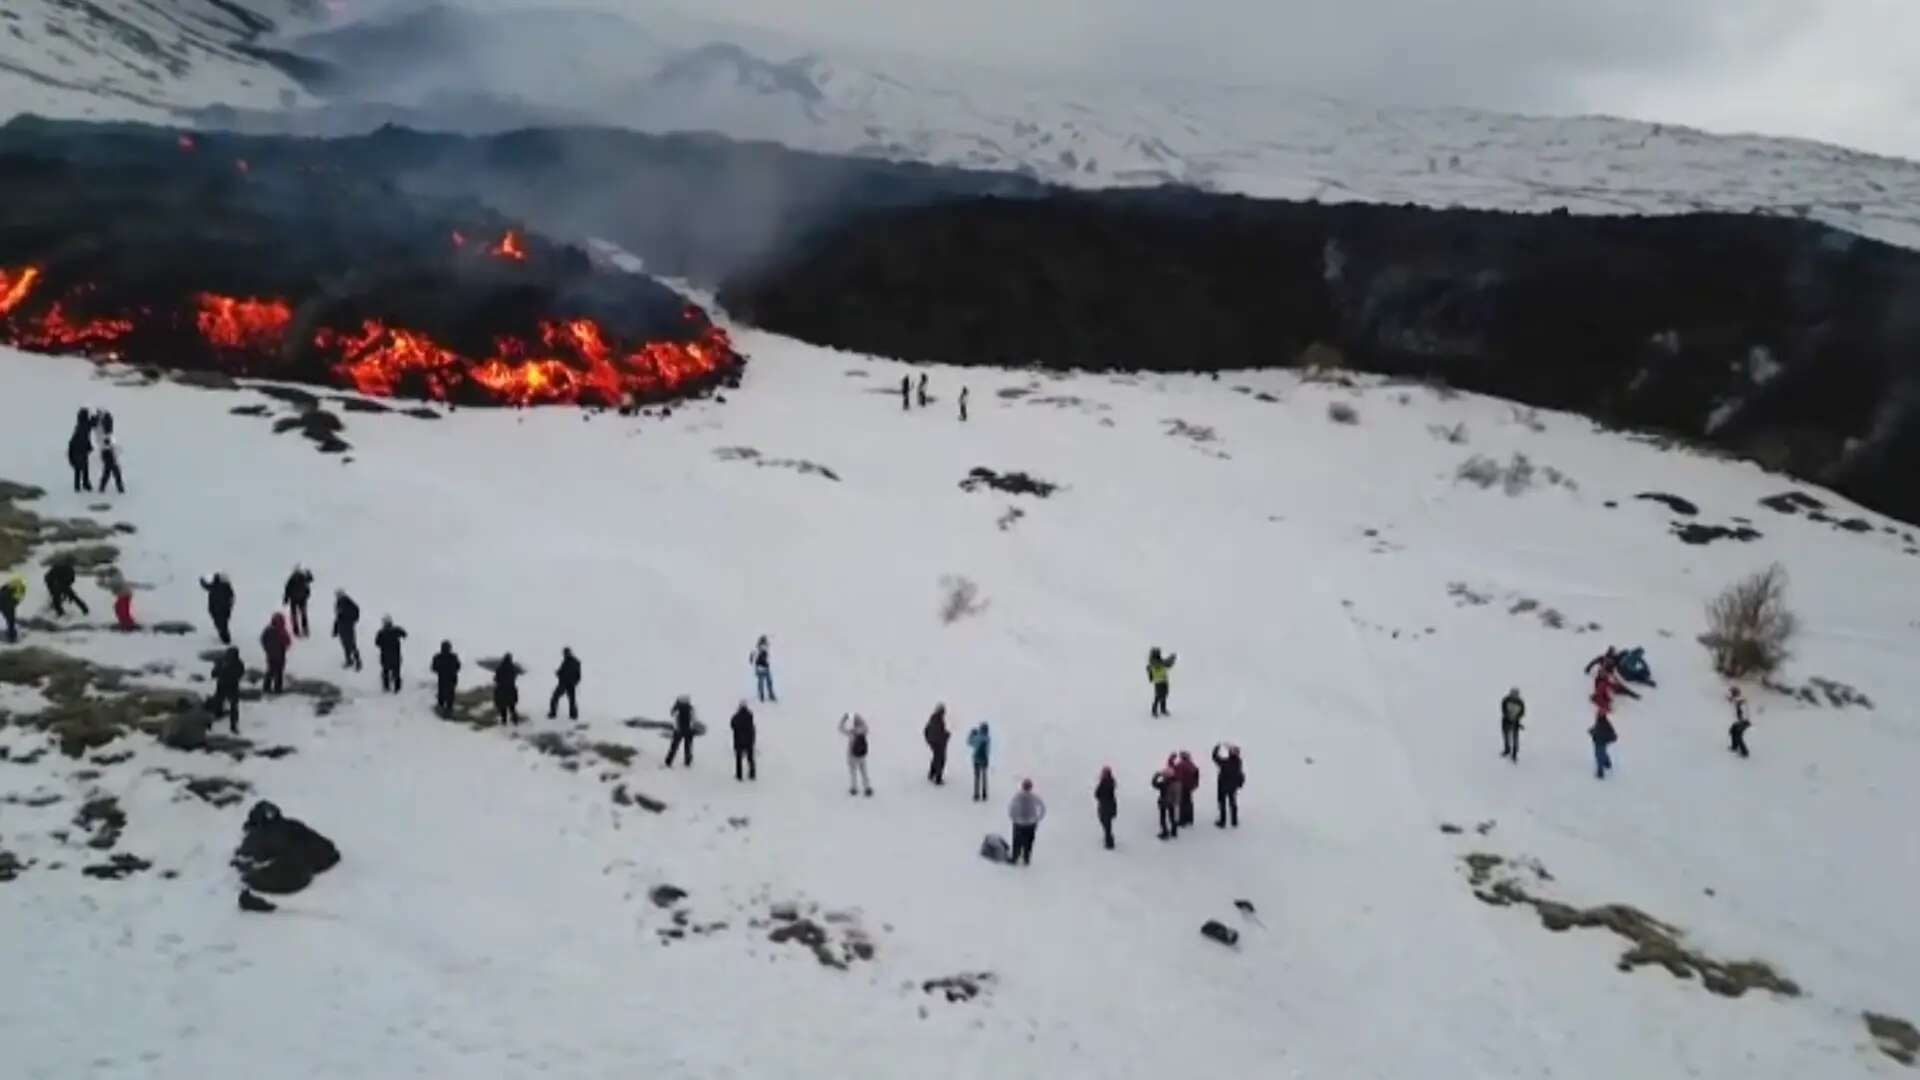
point(981, 743)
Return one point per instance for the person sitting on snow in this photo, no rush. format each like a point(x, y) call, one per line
point(1632, 667)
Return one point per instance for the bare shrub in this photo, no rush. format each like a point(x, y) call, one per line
point(1341, 412)
point(1529, 419)
point(1749, 626)
point(1457, 434)
point(959, 598)
point(1514, 477)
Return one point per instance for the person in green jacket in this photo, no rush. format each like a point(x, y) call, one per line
point(1159, 672)
point(11, 596)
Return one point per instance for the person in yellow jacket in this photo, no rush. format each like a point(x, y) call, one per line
point(1159, 672)
point(11, 596)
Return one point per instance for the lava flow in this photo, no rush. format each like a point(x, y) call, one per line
point(233, 323)
point(509, 248)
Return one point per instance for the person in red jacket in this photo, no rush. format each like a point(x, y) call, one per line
point(1189, 783)
point(123, 611)
point(275, 640)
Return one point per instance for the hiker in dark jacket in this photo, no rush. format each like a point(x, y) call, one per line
point(1166, 783)
point(388, 642)
point(219, 605)
point(1604, 663)
point(1603, 737)
point(1189, 783)
point(346, 624)
point(1227, 784)
point(109, 456)
point(566, 682)
point(1737, 734)
point(299, 590)
point(743, 738)
point(275, 641)
point(963, 404)
point(506, 690)
point(1512, 709)
point(937, 737)
point(59, 580)
point(446, 674)
point(921, 394)
point(12, 591)
point(228, 670)
point(80, 451)
point(980, 741)
point(906, 392)
point(683, 730)
point(1106, 804)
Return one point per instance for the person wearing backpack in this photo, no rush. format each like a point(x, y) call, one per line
point(1603, 737)
point(1511, 710)
point(980, 741)
point(1106, 803)
point(298, 590)
point(854, 727)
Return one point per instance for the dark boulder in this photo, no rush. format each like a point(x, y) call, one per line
point(1220, 932)
point(280, 855)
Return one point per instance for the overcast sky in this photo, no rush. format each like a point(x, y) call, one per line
point(1845, 71)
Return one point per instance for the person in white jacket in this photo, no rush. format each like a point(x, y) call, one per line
point(1026, 811)
point(109, 454)
point(855, 730)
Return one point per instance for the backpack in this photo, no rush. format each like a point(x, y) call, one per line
point(859, 746)
point(995, 848)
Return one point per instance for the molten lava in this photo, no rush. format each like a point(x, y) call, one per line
point(15, 285)
point(55, 331)
point(232, 323)
point(509, 248)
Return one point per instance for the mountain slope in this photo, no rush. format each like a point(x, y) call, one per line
point(1343, 607)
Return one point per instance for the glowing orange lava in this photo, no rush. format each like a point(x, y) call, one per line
point(55, 330)
point(234, 323)
point(15, 285)
point(509, 248)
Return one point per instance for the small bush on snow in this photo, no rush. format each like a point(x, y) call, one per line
point(959, 598)
point(1341, 412)
point(1749, 626)
point(1457, 434)
point(1514, 477)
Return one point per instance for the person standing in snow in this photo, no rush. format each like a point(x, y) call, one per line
point(566, 682)
point(923, 390)
point(854, 727)
point(275, 641)
point(937, 736)
point(388, 642)
point(346, 627)
point(743, 740)
point(299, 589)
point(1603, 737)
point(980, 741)
point(1737, 734)
point(1166, 785)
point(109, 456)
point(1026, 811)
point(227, 673)
point(1189, 783)
point(1106, 803)
point(906, 393)
point(123, 620)
point(59, 582)
point(506, 691)
point(762, 660)
point(1227, 784)
point(219, 605)
point(446, 676)
point(1160, 676)
point(1512, 709)
point(11, 595)
point(80, 451)
point(683, 730)
point(963, 404)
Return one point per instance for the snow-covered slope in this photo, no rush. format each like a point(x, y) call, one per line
point(143, 59)
point(664, 74)
point(492, 915)
point(653, 71)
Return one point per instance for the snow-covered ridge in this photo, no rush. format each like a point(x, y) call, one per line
point(663, 75)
